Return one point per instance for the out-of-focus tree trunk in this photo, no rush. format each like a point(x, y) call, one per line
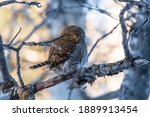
point(56, 23)
point(136, 82)
point(64, 16)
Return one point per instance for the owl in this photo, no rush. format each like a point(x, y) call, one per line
point(67, 53)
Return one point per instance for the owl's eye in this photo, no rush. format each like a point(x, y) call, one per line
point(73, 37)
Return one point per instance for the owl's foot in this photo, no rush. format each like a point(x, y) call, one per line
point(80, 78)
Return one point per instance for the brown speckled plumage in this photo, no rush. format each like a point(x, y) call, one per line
point(68, 53)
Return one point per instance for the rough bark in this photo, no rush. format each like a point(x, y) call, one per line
point(135, 85)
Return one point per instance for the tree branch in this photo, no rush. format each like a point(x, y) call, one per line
point(87, 73)
point(8, 82)
point(3, 65)
point(129, 5)
point(4, 3)
point(33, 31)
point(104, 36)
point(124, 31)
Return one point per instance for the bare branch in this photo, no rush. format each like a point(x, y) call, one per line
point(18, 69)
point(124, 31)
point(3, 65)
point(15, 36)
point(3, 3)
point(33, 31)
point(49, 83)
point(7, 46)
point(104, 36)
point(89, 6)
point(44, 43)
point(88, 73)
point(17, 50)
point(8, 82)
point(30, 3)
point(129, 5)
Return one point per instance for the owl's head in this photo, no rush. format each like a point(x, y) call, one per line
point(75, 33)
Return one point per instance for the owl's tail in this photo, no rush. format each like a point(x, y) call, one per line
point(39, 65)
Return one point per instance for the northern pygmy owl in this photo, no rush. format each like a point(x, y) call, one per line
point(67, 53)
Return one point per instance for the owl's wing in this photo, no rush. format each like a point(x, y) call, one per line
point(61, 52)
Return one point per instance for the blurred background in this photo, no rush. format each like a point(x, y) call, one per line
point(57, 14)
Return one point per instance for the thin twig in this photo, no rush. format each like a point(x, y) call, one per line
point(39, 5)
point(105, 35)
point(89, 6)
point(44, 43)
point(15, 36)
point(3, 3)
point(6, 46)
point(33, 31)
point(18, 70)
